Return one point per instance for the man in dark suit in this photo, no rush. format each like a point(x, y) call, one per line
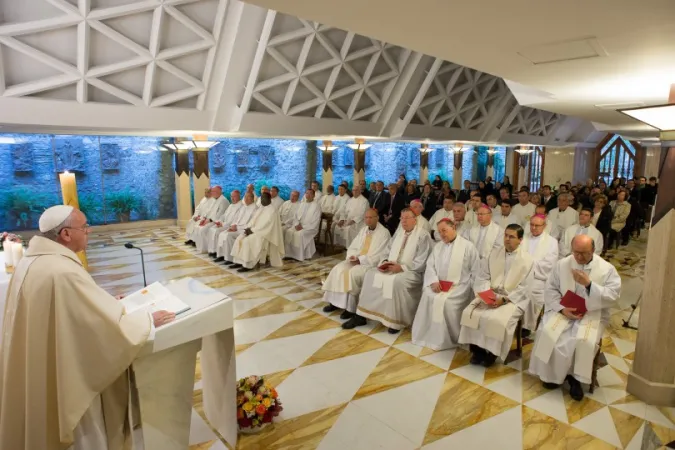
point(392, 216)
point(364, 190)
point(548, 199)
point(379, 199)
point(465, 194)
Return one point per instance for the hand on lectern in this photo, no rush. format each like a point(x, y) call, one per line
point(162, 318)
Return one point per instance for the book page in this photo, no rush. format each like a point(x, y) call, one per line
point(154, 297)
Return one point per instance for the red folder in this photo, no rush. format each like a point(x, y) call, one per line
point(445, 285)
point(488, 296)
point(572, 300)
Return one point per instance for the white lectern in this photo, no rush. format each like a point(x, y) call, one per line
point(165, 370)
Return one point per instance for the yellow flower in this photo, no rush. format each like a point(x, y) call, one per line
point(247, 407)
point(267, 402)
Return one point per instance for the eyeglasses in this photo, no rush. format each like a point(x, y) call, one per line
point(84, 229)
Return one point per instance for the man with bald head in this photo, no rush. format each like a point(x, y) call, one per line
point(299, 238)
point(485, 235)
point(459, 215)
point(348, 221)
point(288, 210)
point(567, 339)
point(343, 285)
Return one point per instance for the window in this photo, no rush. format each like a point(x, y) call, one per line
point(535, 168)
point(617, 159)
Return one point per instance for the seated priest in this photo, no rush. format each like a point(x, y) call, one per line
point(391, 291)
point(567, 340)
point(222, 224)
point(543, 248)
point(314, 186)
point(444, 213)
point(343, 285)
point(585, 226)
point(472, 207)
point(341, 198)
point(288, 210)
point(392, 214)
point(263, 190)
point(218, 208)
point(448, 289)
point(491, 201)
point(417, 207)
point(226, 239)
point(204, 204)
point(488, 324)
point(261, 238)
point(276, 200)
point(485, 235)
point(461, 225)
point(504, 217)
point(562, 217)
point(299, 238)
point(327, 201)
point(251, 188)
point(349, 220)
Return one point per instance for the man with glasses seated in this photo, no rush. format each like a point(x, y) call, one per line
point(485, 235)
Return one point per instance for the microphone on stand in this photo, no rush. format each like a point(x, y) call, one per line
point(129, 245)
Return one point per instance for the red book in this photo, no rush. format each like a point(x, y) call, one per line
point(445, 285)
point(572, 300)
point(488, 296)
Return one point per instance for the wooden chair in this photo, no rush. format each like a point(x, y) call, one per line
point(596, 366)
point(519, 338)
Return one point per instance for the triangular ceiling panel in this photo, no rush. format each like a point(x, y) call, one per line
point(176, 34)
point(190, 103)
point(167, 83)
point(98, 4)
point(192, 64)
point(137, 26)
point(131, 80)
point(201, 12)
point(20, 68)
point(97, 95)
point(104, 51)
point(62, 93)
point(335, 36)
point(60, 43)
point(29, 10)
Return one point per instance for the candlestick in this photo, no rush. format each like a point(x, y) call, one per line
point(9, 259)
point(17, 252)
point(69, 194)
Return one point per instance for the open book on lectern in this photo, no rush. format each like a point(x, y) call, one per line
point(155, 297)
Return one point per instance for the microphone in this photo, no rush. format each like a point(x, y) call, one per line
point(129, 245)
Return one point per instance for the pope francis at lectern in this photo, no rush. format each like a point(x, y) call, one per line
point(66, 347)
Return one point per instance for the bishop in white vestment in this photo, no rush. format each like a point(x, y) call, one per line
point(543, 248)
point(344, 283)
point(226, 239)
point(349, 220)
point(454, 259)
point(299, 238)
point(261, 238)
point(585, 226)
point(564, 216)
point(223, 223)
point(445, 212)
point(485, 235)
point(567, 342)
point(203, 206)
point(507, 272)
point(218, 208)
point(289, 209)
point(391, 291)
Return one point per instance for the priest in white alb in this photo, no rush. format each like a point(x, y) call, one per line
point(472, 206)
point(524, 209)
point(349, 220)
point(461, 225)
point(567, 341)
point(453, 260)
point(222, 224)
point(345, 280)
point(504, 216)
point(563, 217)
point(289, 209)
point(203, 206)
point(417, 208)
point(66, 347)
point(391, 291)
point(585, 226)
point(217, 209)
point(485, 235)
point(263, 190)
point(543, 248)
point(488, 327)
point(444, 213)
point(262, 238)
point(277, 201)
point(327, 201)
point(226, 239)
point(299, 238)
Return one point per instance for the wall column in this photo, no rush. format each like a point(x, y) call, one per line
point(523, 173)
point(359, 166)
point(457, 182)
point(509, 165)
point(490, 164)
point(424, 163)
point(183, 197)
point(326, 165)
point(200, 176)
point(310, 166)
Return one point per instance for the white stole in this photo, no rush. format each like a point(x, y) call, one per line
point(541, 248)
point(454, 275)
point(385, 281)
point(488, 240)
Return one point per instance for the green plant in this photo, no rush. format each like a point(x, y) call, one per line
point(23, 205)
point(92, 207)
point(123, 203)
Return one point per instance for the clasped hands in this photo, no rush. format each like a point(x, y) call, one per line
point(390, 267)
point(298, 227)
point(248, 231)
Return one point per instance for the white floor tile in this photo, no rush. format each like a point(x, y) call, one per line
point(503, 431)
point(618, 363)
point(409, 348)
point(552, 404)
point(385, 337)
point(636, 442)
point(637, 409)
point(309, 304)
point(473, 373)
point(247, 331)
point(510, 387)
point(367, 328)
point(441, 359)
point(242, 306)
point(406, 409)
point(600, 425)
point(607, 377)
point(218, 445)
point(656, 416)
point(199, 430)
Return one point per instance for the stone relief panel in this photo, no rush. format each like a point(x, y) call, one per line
point(69, 155)
point(22, 157)
point(110, 156)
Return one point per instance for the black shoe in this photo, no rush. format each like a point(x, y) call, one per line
point(194, 244)
point(329, 308)
point(525, 333)
point(236, 266)
point(550, 385)
point(213, 254)
point(243, 269)
point(219, 259)
point(355, 321)
point(189, 242)
point(576, 391)
point(392, 331)
point(346, 315)
point(477, 359)
point(228, 263)
point(489, 359)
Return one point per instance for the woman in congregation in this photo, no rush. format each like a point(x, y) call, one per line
point(411, 193)
point(602, 218)
point(620, 212)
point(438, 183)
point(429, 201)
point(506, 183)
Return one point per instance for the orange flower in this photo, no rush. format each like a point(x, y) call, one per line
point(274, 393)
point(240, 413)
point(260, 410)
point(259, 397)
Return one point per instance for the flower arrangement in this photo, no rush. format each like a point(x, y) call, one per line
point(9, 237)
point(257, 403)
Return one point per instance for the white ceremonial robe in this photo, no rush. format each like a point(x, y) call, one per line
point(200, 212)
point(344, 282)
point(227, 219)
point(339, 202)
point(485, 239)
point(562, 220)
point(317, 197)
point(226, 239)
point(287, 213)
point(565, 346)
point(565, 248)
point(327, 203)
point(201, 232)
point(277, 202)
point(354, 209)
point(505, 221)
point(267, 240)
point(544, 250)
point(493, 329)
point(463, 228)
point(470, 216)
point(423, 223)
point(523, 213)
point(436, 323)
point(438, 215)
point(300, 245)
point(392, 299)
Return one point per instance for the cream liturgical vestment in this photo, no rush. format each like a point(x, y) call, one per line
point(200, 212)
point(544, 250)
point(200, 233)
point(524, 213)
point(210, 243)
point(562, 220)
point(565, 346)
point(277, 202)
point(299, 244)
point(66, 349)
point(565, 248)
point(507, 274)
point(505, 221)
point(267, 240)
point(354, 209)
point(345, 280)
point(438, 215)
point(485, 239)
point(226, 239)
point(436, 323)
point(392, 299)
point(287, 213)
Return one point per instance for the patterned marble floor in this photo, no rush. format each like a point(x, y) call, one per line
point(366, 389)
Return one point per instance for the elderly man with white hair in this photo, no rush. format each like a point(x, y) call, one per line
point(222, 224)
point(585, 226)
point(417, 208)
point(289, 209)
point(67, 346)
point(299, 238)
point(485, 234)
point(204, 204)
point(226, 239)
point(217, 209)
point(562, 217)
point(349, 220)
